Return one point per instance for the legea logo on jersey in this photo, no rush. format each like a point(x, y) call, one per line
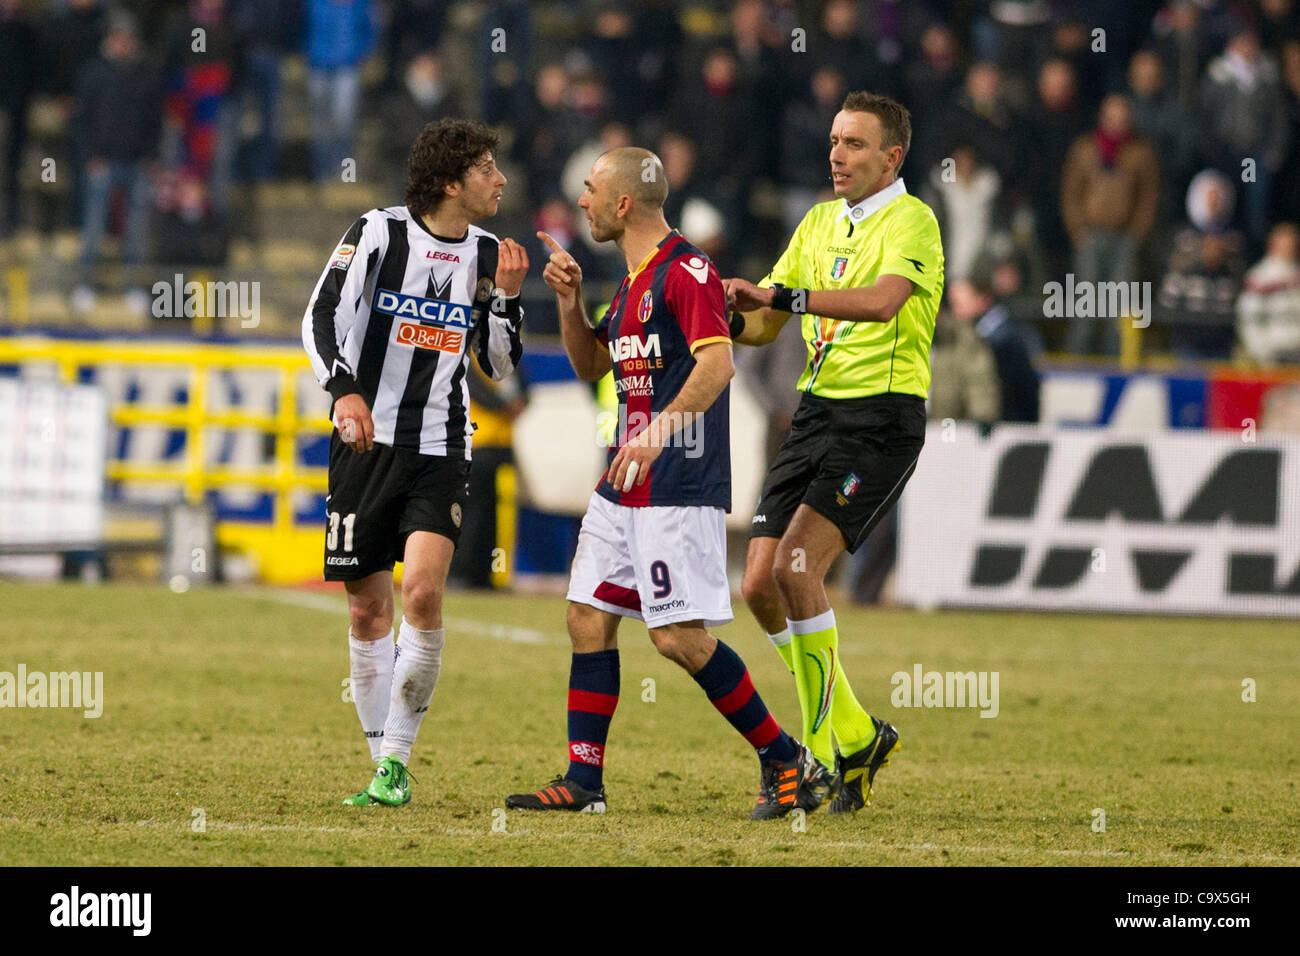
point(425, 310)
point(429, 337)
point(636, 353)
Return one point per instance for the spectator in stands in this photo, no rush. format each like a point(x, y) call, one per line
point(964, 193)
point(1268, 309)
point(424, 97)
point(1015, 347)
point(117, 124)
point(841, 45)
point(1011, 33)
point(548, 133)
point(804, 166)
point(1279, 22)
point(340, 35)
point(720, 114)
point(72, 37)
point(1199, 290)
point(413, 27)
point(691, 202)
point(766, 64)
point(1286, 195)
point(1161, 119)
point(200, 74)
point(588, 122)
point(964, 384)
point(929, 81)
point(1110, 189)
point(504, 58)
point(635, 47)
point(982, 117)
point(1011, 286)
point(1056, 119)
point(19, 47)
point(1183, 47)
point(266, 30)
point(1242, 112)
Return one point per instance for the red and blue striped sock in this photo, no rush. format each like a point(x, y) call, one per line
point(726, 682)
point(593, 695)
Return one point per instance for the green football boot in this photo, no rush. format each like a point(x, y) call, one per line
point(391, 784)
point(361, 799)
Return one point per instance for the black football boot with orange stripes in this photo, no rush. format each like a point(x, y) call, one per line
point(560, 794)
point(779, 786)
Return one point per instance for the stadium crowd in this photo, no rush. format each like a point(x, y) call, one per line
point(1145, 141)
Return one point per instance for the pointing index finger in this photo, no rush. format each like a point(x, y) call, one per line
point(550, 243)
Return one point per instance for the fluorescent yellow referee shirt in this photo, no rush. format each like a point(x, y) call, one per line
point(838, 246)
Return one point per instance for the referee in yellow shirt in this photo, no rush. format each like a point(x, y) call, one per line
point(864, 275)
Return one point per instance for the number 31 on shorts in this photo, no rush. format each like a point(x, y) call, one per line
point(332, 536)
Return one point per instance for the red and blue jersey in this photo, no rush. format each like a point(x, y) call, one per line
point(669, 306)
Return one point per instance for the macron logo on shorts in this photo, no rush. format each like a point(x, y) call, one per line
point(672, 605)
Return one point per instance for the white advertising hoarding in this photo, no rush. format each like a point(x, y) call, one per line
point(1178, 522)
point(51, 463)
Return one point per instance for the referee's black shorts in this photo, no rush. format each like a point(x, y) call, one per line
point(377, 498)
point(847, 459)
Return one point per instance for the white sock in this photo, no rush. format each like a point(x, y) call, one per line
point(372, 685)
point(781, 638)
point(419, 659)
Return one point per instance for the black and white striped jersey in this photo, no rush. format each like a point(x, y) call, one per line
point(393, 318)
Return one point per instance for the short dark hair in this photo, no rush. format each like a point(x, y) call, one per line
point(442, 154)
point(895, 120)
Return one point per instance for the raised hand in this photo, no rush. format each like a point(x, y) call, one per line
point(562, 273)
point(512, 266)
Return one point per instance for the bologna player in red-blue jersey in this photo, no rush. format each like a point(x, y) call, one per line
point(653, 541)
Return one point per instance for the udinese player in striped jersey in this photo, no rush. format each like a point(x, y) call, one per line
point(405, 297)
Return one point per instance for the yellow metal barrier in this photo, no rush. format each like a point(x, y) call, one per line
point(285, 552)
point(507, 525)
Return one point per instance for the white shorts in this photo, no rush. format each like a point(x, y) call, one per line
point(661, 565)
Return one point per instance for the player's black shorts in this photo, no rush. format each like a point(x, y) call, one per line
point(847, 459)
point(377, 498)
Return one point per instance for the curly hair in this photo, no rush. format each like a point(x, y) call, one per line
point(442, 154)
point(895, 120)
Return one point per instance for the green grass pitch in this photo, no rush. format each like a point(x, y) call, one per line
point(226, 707)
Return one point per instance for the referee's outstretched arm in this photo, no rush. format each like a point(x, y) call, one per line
point(761, 319)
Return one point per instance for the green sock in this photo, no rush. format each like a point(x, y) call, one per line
point(815, 643)
point(849, 719)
